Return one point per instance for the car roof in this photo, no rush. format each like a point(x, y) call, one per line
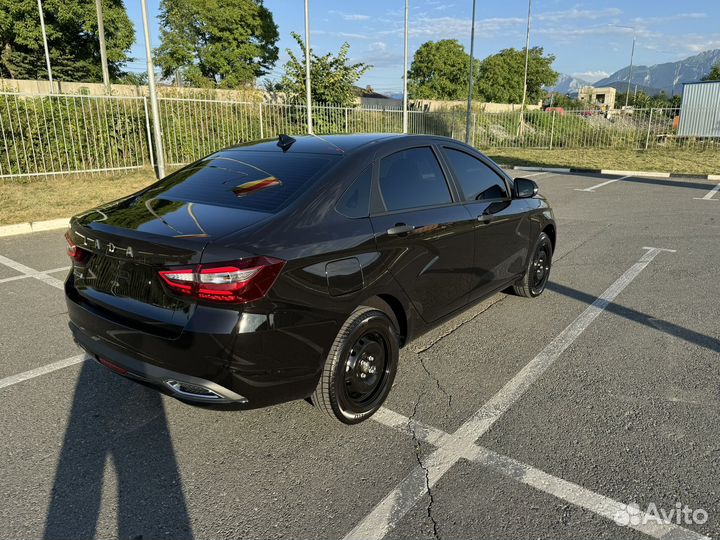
point(325, 144)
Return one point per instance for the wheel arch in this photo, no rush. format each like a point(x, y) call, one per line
point(393, 307)
point(549, 229)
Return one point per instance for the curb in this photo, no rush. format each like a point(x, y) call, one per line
point(649, 174)
point(545, 169)
point(35, 226)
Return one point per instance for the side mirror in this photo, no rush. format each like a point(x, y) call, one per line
point(525, 188)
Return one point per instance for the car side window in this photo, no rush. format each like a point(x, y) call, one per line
point(477, 180)
point(355, 202)
point(411, 179)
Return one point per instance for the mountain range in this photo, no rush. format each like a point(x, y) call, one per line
point(667, 77)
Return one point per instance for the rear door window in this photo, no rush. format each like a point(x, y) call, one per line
point(412, 179)
point(259, 181)
point(476, 179)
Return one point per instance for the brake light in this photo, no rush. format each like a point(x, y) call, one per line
point(236, 282)
point(76, 253)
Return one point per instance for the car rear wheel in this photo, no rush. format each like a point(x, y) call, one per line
point(360, 369)
point(537, 272)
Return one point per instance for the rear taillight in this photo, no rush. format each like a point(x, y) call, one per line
point(235, 282)
point(76, 253)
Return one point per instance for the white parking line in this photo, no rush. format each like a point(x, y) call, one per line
point(710, 196)
point(533, 174)
point(402, 423)
point(25, 276)
point(580, 496)
point(30, 272)
point(542, 481)
point(388, 512)
point(593, 188)
point(44, 370)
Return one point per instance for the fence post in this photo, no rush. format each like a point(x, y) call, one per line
point(149, 134)
point(474, 118)
point(262, 132)
point(552, 129)
point(647, 139)
point(347, 126)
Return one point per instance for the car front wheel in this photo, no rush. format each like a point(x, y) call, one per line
point(360, 369)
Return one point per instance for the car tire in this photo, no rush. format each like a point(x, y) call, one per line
point(360, 369)
point(537, 272)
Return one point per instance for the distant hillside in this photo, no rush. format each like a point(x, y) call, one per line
point(669, 76)
point(567, 84)
point(621, 87)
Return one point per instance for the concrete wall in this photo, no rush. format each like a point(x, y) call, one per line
point(437, 105)
point(98, 89)
point(252, 95)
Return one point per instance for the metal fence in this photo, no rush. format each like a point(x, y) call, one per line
point(57, 134)
point(61, 134)
point(636, 129)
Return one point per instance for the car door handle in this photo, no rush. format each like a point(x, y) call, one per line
point(485, 218)
point(400, 229)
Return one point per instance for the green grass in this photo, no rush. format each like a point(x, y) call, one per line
point(52, 197)
point(673, 160)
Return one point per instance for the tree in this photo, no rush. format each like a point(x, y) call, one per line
point(641, 100)
point(135, 79)
point(332, 78)
point(439, 70)
point(71, 27)
point(500, 77)
point(557, 99)
point(216, 44)
point(714, 74)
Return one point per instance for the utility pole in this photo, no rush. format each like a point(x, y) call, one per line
point(157, 136)
point(103, 51)
point(308, 93)
point(468, 121)
point(45, 44)
point(527, 59)
point(632, 56)
point(405, 72)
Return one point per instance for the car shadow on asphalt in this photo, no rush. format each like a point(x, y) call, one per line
point(128, 426)
point(681, 332)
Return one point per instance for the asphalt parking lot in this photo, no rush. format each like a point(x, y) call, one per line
point(518, 419)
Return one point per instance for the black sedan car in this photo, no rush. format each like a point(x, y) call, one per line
point(295, 268)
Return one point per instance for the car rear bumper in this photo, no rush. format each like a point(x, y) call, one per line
point(180, 385)
point(221, 357)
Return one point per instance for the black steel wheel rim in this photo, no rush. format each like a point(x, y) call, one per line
point(366, 369)
point(540, 269)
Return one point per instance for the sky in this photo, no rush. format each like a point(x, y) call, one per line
point(588, 39)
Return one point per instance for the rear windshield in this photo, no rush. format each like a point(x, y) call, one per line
point(258, 181)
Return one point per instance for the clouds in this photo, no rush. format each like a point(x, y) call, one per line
point(591, 76)
point(341, 35)
point(647, 21)
point(350, 16)
point(579, 14)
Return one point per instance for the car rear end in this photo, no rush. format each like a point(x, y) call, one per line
point(152, 297)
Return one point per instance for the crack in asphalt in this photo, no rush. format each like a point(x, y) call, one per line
point(458, 326)
point(417, 448)
point(437, 382)
point(581, 244)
